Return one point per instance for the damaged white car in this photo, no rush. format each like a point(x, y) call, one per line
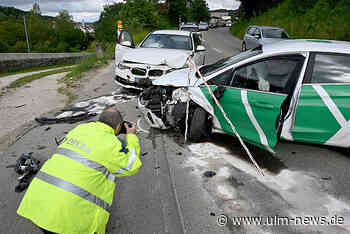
point(159, 53)
point(296, 90)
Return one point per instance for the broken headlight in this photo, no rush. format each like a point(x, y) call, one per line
point(122, 66)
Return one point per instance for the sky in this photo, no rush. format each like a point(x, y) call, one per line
point(89, 10)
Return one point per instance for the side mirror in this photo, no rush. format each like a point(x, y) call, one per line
point(200, 48)
point(257, 36)
point(126, 43)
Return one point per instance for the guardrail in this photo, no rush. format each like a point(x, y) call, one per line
point(12, 61)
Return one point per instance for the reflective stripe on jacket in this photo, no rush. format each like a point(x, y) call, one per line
point(73, 191)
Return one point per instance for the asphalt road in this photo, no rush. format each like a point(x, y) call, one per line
point(170, 193)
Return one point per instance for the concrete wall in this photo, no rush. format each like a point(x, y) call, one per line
point(12, 61)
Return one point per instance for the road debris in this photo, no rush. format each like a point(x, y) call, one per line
point(58, 140)
point(86, 109)
point(26, 166)
point(69, 119)
point(47, 129)
point(326, 178)
point(209, 174)
point(41, 147)
point(20, 106)
point(144, 154)
point(139, 128)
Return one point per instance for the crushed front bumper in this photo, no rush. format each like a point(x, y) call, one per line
point(153, 120)
point(126, 83)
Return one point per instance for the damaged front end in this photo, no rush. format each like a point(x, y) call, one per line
point(164, 107)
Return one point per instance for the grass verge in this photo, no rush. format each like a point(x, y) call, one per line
point(32, 69)
point(72, 80)
point(24, 80)
point(318, 19)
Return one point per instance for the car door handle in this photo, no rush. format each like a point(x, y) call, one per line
point(264, 105)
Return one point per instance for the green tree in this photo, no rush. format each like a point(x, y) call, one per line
point(139, 13)
point(178, 10)
point(20, 47)
point(4, 48)
point(64, 16)
point(105, 28)
point(66, 32)
point(200, 10)
point(253, 8)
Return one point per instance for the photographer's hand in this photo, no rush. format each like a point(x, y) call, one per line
point(131, 129)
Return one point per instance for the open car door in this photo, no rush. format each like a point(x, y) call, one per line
point(257, 97)
point(125, 43)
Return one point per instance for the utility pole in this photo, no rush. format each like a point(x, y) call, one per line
point(25, 29)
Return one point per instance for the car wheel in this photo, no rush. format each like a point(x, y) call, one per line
point(199, 128)
point(244, 47)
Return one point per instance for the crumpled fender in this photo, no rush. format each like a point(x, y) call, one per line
point(197, 96)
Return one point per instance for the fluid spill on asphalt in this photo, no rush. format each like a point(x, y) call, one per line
point(301, 190)
point(264, 159)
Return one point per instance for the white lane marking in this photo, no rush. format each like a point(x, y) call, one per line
point(331, 105)
point(217, 50)
point(252, 118)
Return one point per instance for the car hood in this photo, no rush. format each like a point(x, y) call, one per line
point(153, 56)
point(178, 78)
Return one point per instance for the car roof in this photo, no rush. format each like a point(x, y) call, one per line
point(265, 27)
point(307, 45)
point(189, 26)
point(172, 32)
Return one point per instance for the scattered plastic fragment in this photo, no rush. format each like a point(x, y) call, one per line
point(209, 174)
point(26, 166)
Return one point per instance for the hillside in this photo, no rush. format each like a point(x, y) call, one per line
point(321, 19)
point(7, 13)
point(45, 33)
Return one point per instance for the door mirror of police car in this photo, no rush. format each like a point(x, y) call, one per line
point(126, 39)
point(200, 48)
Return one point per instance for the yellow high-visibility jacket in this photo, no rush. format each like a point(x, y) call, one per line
point(73, 191)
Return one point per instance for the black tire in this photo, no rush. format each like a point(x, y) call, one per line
point(244, 47)
point(199, 128)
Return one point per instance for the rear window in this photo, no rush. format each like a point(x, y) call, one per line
point(274, 33)
point(331, 69)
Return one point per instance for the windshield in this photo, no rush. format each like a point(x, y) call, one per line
point(274, 33)
point(223, 63)
point(166, 41)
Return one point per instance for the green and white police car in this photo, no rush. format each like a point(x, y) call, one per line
point(297, 90)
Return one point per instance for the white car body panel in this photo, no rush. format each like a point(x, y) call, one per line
point(152, 60)
point(153, 56)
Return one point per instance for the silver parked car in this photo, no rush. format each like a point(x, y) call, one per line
point(262, 35)
point(203, 26)
point(190, 27)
